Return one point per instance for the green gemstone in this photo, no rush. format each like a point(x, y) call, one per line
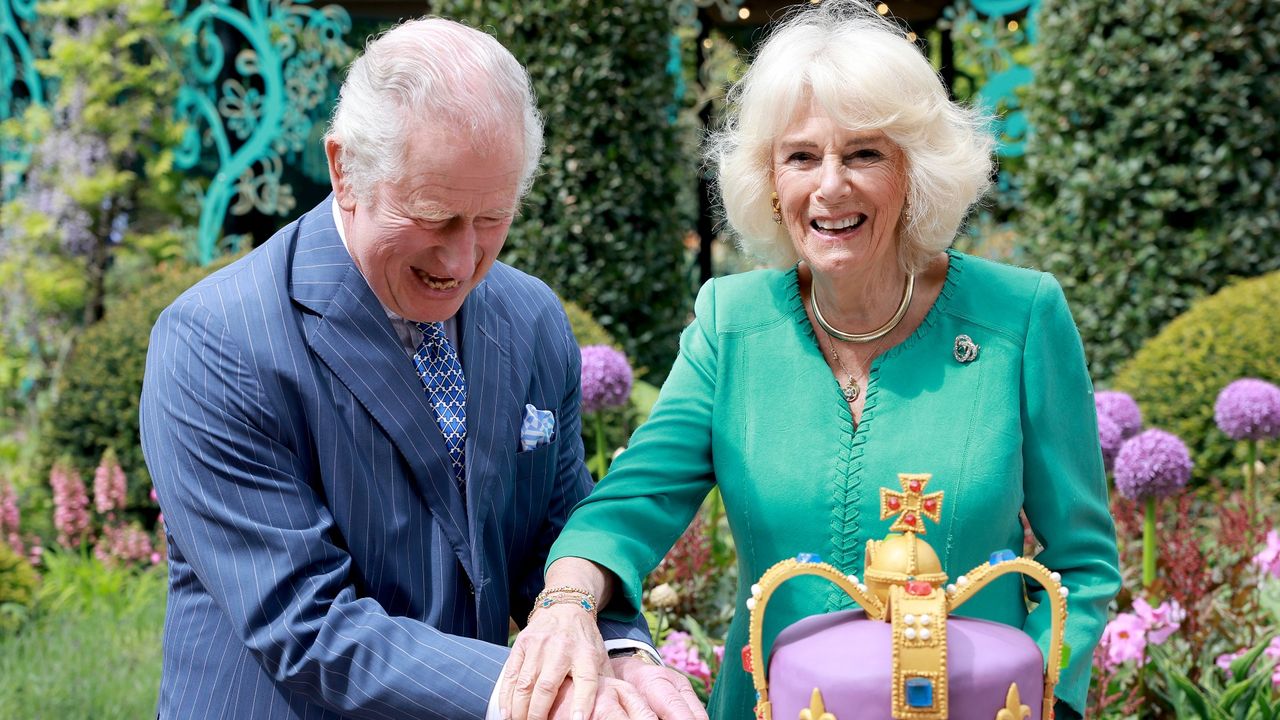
point(1065, 655)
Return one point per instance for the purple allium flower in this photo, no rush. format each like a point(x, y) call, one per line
point(1154, 463)
point(1110, 438)
point(1121, 409)
point(1124, 639)
point(1249, 409)
point(606, 378)
point(1268, 561)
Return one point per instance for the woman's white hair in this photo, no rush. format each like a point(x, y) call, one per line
point(860, 68)
point(430, 70)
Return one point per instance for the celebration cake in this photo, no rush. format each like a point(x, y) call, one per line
point(902, 655)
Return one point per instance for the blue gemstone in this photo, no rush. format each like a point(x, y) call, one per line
point(1000, 556)
point(919, 692)
point(809, 558)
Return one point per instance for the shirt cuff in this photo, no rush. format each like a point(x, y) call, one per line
point(495, 713)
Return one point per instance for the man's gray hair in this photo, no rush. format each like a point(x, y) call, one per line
point(860, 68)
point(437, 71)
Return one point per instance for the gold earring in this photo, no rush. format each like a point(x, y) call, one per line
point(777, 210)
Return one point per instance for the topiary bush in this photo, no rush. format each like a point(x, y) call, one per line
point(18, 581)
point(97, 393)
point(1177, 375)
point(1153, 169)
point(602, 224)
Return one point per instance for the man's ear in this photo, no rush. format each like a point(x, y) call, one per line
point(342, 192)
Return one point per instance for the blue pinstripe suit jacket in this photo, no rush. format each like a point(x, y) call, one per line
point(322, 561)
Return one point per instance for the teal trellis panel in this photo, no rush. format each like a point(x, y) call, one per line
point(999, 94)
point(248, 122)
point(17, 71)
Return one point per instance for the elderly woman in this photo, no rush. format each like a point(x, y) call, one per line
point(799, 392)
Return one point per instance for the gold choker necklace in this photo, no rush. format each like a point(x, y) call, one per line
point(876, 334)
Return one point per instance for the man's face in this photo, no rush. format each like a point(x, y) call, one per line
point(424, 242)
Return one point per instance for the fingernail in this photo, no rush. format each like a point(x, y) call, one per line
point(577, 715)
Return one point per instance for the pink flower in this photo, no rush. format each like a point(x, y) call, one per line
point(70, 506)
point(1273, 652)
point(124, 543)
point(1268, 561)
point(682, 655)
point(1124, 639)
point(10, 518)
point(1225, 659)
point(1160, 622)
point(719, 651)
point(109, 484)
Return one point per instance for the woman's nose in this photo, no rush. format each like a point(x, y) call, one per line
point(834, 183)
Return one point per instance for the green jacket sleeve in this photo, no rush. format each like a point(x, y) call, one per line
point(653, 489)
point(1065, 486)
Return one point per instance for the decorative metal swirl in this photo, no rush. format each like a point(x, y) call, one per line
point(264, 117)
point(1005, 76)
point(19, 49)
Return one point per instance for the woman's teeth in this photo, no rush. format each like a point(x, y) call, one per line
point(830, 225)
point(436, 283)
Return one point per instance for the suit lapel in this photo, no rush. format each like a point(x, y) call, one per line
point(492, 412)
point(354, 338)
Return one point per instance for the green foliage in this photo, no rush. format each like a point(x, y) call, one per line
point(1153, 176)
point(1246, 693)
point(601, 224)
point(18, 583)
point(1177, 375)
point(585, 328)
point(92, 647)
point(97, 395)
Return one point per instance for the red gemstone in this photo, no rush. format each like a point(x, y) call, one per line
point(919, 588)
point(930, 505)
point(746, 658)
point(909, 518)
point(894, 503)
point(914, 485)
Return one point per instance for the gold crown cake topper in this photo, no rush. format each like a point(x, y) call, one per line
point(906, 587)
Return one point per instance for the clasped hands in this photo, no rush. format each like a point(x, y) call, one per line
point(560, 670)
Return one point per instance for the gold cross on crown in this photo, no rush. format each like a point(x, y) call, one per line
point(911, 505)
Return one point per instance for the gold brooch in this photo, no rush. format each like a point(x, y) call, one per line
point(966, 350)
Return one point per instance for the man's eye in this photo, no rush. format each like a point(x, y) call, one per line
point(800, 157)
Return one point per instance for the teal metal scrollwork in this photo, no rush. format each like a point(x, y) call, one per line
point(18, 53)
point(265, 116)
point(998, 43)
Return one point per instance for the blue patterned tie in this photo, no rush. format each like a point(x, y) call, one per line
point(446, 387)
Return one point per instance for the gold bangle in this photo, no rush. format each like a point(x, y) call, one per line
point(566, 589)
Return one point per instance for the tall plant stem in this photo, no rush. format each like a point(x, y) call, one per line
point(601, 460)
point(1250, 502)
point(1149, 543)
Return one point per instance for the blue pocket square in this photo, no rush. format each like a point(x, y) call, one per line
point(538, 428)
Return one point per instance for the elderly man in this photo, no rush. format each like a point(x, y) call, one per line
point(364, 435)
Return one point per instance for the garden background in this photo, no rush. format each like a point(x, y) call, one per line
point(144, 143)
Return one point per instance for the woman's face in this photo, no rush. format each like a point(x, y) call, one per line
point(841, 192)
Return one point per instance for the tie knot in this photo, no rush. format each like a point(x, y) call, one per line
point(432, 332)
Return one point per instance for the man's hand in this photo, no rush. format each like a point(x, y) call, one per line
point(615, 700)
point(666, 691)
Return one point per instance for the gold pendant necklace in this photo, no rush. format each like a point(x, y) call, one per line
point(850, 389)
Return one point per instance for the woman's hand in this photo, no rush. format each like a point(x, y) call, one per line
point(561, 642)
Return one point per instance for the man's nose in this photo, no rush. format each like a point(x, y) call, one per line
point(459, 253)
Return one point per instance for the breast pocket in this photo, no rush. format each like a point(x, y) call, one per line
point(539, 463)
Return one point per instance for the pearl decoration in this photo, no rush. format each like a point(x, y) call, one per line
point(1055, 576)
point(751, 603)
point(909, 619)
point(1064, 591)
point(924, 619)
point(924, 633)
point(909, 633)
point(755, 590)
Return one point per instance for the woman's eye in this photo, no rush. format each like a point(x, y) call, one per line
point(800, 157)
point(866, 154)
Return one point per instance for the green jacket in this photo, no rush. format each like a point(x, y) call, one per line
point(751, 407)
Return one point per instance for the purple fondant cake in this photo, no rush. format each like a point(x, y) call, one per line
point(848, 657)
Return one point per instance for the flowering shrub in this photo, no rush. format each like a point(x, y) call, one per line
point(70, 506)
